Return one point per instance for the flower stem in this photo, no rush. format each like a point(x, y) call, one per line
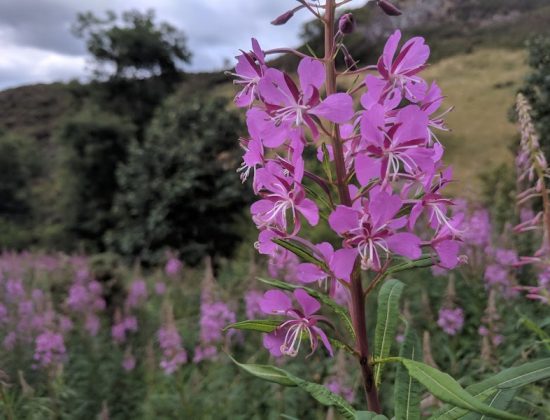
point(357, 301)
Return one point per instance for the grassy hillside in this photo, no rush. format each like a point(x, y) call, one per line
point(482, 87)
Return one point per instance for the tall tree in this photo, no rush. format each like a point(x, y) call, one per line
point(137, 61)
point(179, 189)
point(537, 87)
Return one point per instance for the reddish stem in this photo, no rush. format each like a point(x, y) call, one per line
point(357, 301)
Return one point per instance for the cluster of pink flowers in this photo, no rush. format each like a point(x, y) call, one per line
point(451, 320)
point(28, 318)
point(215, 315)
point(50, 349)
point(393, 161)
point(34, 323)
point(173, 353)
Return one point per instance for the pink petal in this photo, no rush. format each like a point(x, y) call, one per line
point(448, 253)
point(337, 108)
point(372, 125)
point(265, 244)
point(343, 219)
point(273, 88)
point(405, 244)
point(390, 48)
point(416, 55)
point(309, 210)
point(383, 207)
point(311, 73)
point(343, 262)
point(309, 273)
point(366, 169)
point(275, 302)
point(273, 342)
point(308, 304)
point(326, 250)
point(324, 339)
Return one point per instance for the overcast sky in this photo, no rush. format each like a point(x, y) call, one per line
point(37, 46)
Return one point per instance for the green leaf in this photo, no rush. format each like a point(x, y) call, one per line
point(261, 325)
point(301, 251)
point(533, 327)
point(422, 262)
point(325, 397)
point(501, 400)
point(267, 373)
point(282, 377)
point(516, 376)
point(445, 388)
point(386, 322)
point(369, 415)
point(326, 300)
point(408, 391)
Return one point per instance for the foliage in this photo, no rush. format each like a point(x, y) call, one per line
point(20, 167)
point(179, 188)
point(134, 46)
point(537, 87)
point(93, 145)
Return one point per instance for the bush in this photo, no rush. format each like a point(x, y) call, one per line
point(179, 188)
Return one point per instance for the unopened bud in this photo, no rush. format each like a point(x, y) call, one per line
point(346, 24)
point(284, 18)
point(388, 8)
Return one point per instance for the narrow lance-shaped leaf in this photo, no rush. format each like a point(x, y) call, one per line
point(408, 391)
point(301, 251)
point(267, 373)
point(516, 376)
point(386, 322)
point(260, 325)
point(325, 397)
point(501, 400)
point(445, 388)
point(369, 415)
point(282, 377)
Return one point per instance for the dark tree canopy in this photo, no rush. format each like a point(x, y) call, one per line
point(179, 188)
point(537, 87)
point(133, 46)
point(93, 145)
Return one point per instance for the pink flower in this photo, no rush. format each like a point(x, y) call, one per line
point(287, 338)
point(401, 71)
point(137, 293)
point(339, 263)
point(173, 353)
point(451, 320)
point(49, 349)
point(288, 106)
point(371, 228)
point(160, 288)
point(249, 70)
point(283, 199)
point(129, 361)
point(387, 150)
point(173, 266)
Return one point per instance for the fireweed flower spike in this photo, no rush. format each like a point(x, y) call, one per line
point(384, 178)
point(303, 323)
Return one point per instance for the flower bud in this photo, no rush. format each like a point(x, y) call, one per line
point(388, 8)
point(346, 24)
point(284, 18)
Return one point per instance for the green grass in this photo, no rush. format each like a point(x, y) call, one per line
point(482, 88)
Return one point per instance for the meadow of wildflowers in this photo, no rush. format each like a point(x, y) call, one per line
point(366, 291)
